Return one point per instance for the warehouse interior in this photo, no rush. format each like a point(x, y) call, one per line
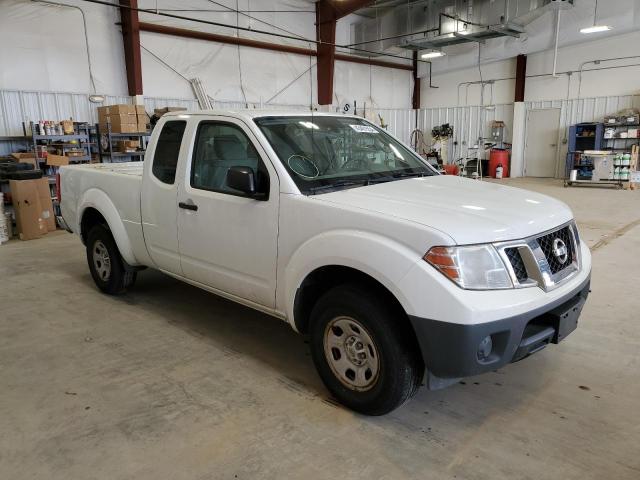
point(168, 380)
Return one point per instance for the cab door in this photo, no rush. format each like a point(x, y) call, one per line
point(228, 241)
point(159, 204)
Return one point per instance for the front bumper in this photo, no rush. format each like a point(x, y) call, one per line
point(450, 350)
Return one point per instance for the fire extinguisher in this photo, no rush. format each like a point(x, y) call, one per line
point(499, 171)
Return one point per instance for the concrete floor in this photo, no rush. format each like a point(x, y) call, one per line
point(169, 382)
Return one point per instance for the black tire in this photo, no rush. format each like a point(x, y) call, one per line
point(400, 367)
point(117, 278)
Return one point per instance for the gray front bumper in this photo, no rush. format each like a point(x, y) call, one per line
point(450, 350)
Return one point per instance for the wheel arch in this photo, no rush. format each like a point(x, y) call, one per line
point(97, 208)
point(322, 279)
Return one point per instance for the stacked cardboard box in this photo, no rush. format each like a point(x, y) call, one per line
point(125, 146)
point(33, 207)
point(123, 118)
point(161, 111)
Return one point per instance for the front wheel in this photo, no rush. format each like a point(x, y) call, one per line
point(105, 262)
point(363, 350)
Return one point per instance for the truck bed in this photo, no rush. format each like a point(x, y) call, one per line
point(120, 183)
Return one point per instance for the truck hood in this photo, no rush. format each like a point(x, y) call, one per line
point(469, 211)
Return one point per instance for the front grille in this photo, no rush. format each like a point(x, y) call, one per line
point(546, 243)
point(513, 254)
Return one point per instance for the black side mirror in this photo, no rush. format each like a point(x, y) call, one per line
point(242, 179)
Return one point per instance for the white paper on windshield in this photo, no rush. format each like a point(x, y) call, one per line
point(363, 129)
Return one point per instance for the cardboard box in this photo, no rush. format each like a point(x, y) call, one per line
point(67, 127)
point(161, 111)
point(46, 205)
point(126, 128)
point(140, 110)
point(57, 160)
point(28, 157)
point(117, 120)
point(28, 210)
point(141, 127)
point(125, 146)
point(121, 109)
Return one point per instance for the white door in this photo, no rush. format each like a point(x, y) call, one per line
point(159, 205)
point(541, 147)
point(227, 240)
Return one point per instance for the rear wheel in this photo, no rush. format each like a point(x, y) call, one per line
point(106, 265)
point(363, 350)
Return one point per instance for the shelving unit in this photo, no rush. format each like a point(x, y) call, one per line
point(107, 150)
point(582, 137)
point(62, 145)
point(616, 143)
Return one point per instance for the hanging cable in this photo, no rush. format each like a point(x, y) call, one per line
point(86, 37)
point(308, 69)
point(244, 95)
point(163, 62)
point(262, 32)
point(237, 11)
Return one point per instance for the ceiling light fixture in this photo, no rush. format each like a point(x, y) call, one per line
point(595, 28)
point(434, 54)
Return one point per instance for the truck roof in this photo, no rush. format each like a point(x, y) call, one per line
point(257, 113)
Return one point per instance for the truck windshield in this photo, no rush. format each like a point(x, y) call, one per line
point(327, 153)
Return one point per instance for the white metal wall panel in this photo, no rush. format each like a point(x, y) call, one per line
point(583, 110)
point(399, 121)
point(468, 122)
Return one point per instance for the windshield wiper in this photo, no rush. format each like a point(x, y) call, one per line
point(332, 186)
point(409, 174)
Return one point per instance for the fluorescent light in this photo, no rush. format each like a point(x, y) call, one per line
point(433, 55)
point(595, 29)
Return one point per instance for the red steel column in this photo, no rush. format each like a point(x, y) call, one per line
point(327, 14)
point(131, 41)
point(521, 77)
point(416, 83)
point(325, 32)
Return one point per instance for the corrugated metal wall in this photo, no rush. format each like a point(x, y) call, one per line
point(466, 122)
point(587, 109)
point(20, 106)
point(24, 106)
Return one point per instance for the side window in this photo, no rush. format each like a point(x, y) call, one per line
point(220, 146)
point(165, 158)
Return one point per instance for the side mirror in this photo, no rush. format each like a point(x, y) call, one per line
point(242, 179)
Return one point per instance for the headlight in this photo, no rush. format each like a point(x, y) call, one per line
point(476, 267)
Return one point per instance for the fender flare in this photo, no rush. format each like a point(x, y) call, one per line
point(384, 259)
point(97, 199)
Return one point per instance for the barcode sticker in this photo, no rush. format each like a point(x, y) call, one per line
point(363, 129)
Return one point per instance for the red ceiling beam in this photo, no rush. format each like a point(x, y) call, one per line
point(246, 42)
point(215, 37)
point(369, 61)
point(131, 41)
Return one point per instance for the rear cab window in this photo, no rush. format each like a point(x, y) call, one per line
point(165, 158)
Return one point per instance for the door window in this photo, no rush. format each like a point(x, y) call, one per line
point(165, 157)
point(220, 146)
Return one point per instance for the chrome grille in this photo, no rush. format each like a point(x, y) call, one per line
point(533, 262)
point(546, 244)
point(515, 259)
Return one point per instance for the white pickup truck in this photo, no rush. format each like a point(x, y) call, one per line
point(400, 276)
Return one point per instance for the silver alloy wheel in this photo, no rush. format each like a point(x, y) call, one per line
point(101, 261)
point(351, 353)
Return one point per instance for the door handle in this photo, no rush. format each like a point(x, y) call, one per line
point(188, 206)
